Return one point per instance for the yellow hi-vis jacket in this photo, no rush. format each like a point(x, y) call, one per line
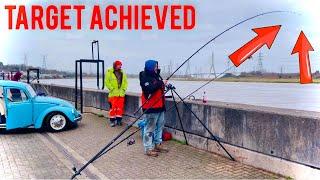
point(111, 83)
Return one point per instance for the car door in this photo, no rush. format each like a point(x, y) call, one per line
point(19, 108)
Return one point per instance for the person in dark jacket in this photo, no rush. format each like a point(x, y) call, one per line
point(153, 105)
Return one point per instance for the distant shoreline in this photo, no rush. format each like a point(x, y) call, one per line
point(237, 79)
point(249, 80)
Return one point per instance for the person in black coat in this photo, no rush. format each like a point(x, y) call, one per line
point(153, 105)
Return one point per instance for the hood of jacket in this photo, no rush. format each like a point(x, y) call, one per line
point(150, 65)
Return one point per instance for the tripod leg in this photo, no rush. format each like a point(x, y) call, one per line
point(214, 138)
point(176, 107)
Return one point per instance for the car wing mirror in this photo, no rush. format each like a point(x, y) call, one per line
point(10, 99)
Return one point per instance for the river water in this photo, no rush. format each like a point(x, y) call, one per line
point(281, 95)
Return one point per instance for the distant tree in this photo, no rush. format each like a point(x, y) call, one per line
point(228, 75)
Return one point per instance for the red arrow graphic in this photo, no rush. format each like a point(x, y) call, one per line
point(265, 35)
point(303, 47)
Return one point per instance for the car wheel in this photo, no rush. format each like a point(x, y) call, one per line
point(56, 122)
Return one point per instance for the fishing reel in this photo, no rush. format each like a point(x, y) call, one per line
point(74, 169)
point(76, 173)
point(131, 142)
point(170, 86)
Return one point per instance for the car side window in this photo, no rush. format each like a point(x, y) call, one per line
point(16, 95)
point(1, 92)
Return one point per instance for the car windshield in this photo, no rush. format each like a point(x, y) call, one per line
point(31, 90)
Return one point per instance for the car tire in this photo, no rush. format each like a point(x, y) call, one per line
point(56, 122)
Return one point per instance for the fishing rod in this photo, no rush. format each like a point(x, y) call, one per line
point(77, 172)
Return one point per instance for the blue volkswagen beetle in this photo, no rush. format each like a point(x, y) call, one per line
point(21, 107)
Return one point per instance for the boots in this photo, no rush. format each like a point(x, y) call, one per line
point(151, 153)
point(160, 148)
point(119, 121)
point(112, 122)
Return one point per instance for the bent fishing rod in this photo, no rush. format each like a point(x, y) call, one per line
point(77, 172)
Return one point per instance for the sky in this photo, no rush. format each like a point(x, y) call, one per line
point(62, 48)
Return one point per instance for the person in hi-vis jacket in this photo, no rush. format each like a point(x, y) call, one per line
point(117, 84)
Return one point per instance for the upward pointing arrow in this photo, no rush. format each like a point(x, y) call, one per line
point(265, 35)
point(303, 47)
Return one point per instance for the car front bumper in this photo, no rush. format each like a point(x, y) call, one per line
point(79, 118)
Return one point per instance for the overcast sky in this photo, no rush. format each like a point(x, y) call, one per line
point(134, 47)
